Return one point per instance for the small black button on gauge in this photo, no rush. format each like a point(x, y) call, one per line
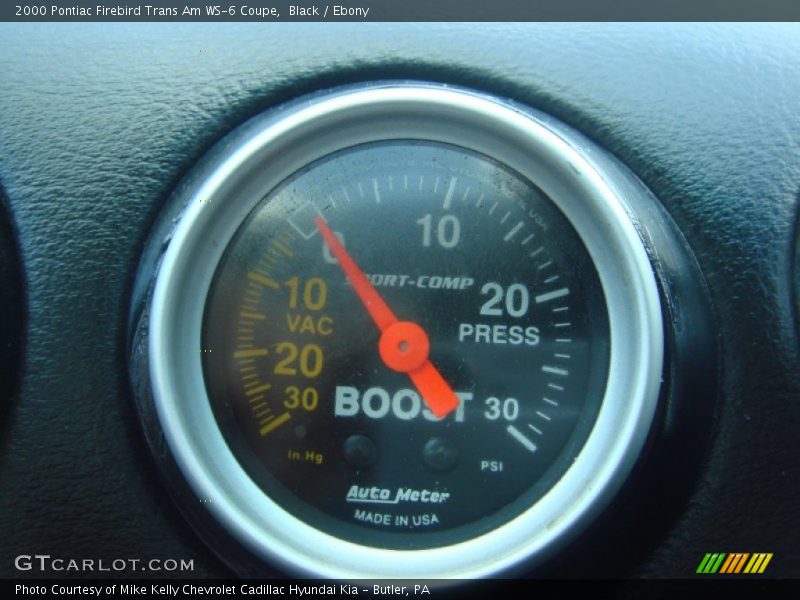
point(360, 451)
point(440, 454)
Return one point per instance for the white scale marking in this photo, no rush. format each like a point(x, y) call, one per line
point(560, 309)
point(513, 231)
point(564, 340)
point(567, 324)
point(464, 197)
point(316, 209)
point(478, 203)
point(555, 370)
point(448, 197)
point(545, 265)
point(503, 220)
point(436, 186)
point(547, 296)
point(491, 210)
point(332, 201)
point(303, 234)
point(520, 437)
point(553, 386)
point(536, 252)
point(360, 190)
point(551, 279)
point(528, 239)
point(564, 356)
point(375, 189)
point(405, 182)
point(532, 428)
point(544, 416)
point(420, 182)
point(346, 196)
point(550, 402)
point(391, 187)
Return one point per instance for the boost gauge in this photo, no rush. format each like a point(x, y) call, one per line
point(402, 331)
point(397, 327)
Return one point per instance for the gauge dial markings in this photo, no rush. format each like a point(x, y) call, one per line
point(436, 392)
point(358, 397)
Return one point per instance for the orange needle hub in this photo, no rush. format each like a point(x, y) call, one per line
point(403, 345)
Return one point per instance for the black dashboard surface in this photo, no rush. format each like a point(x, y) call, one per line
point(99, 123)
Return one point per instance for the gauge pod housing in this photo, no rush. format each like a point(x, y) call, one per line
point(573, 336)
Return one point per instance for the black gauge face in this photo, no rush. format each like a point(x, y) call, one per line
point(378, 288)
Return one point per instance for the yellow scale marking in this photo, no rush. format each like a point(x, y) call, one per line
point(258, 390)
point(250, 353)
point(249, 313)
point(283, 248)
point(265, 263)
point(253, 316)
point(262, 279)
point(275, 423)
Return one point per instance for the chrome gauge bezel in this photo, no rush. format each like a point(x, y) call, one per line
point(223, 191)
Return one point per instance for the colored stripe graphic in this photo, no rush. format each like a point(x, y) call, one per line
point(711, 563)
point(703, 563)
point(734, 563)
point(758, 563)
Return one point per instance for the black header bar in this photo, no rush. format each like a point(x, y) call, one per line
point(271, 11)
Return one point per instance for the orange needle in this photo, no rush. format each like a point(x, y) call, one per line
point(403, 345)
